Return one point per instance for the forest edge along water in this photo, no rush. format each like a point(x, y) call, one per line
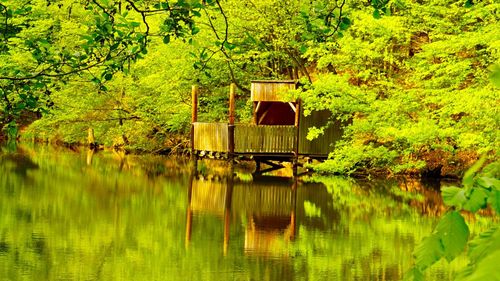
point(418, 96)
point(106, 215)
point(280, 130)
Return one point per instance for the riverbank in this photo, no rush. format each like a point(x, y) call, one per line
point(434, 165)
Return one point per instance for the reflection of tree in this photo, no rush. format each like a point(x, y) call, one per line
point(81, 218)
point(431, 203)
point(21, 162)
point(380, 223)
point(90, 156)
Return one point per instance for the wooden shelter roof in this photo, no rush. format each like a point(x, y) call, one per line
point(276, 81)
point(272, 90)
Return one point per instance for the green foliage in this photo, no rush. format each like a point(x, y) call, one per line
point(495, 76)
point(46, 45)
point(427, 253)
point(453, 233)
point(137, 106)
point(480, 246)
point(450, 236)
point(149, 49)
point(453, 196)
point(416, 83)
point(476, 193)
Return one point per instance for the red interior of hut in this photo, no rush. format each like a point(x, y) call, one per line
point(275, 113)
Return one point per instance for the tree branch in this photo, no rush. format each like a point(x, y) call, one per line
point(143, 15)
point(104, 10)
point(76, 70)
point(341, 7)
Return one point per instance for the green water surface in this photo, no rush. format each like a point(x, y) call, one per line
point(79, 215)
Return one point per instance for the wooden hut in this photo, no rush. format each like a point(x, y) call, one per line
point(279, 127)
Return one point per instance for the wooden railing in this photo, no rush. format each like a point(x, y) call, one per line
point(247, 138)
point(211, 137)
point(264, 139)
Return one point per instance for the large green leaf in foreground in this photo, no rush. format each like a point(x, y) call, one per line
point(448, 240)
point(484, 254)
point(453, 233)
point(453, 196)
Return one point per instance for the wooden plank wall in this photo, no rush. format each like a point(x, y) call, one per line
point(211, 137)
point(263, 139)
point(271, 90)
point(324, 143)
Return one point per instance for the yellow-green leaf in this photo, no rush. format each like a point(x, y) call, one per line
point(453, 196)
point(453, 233)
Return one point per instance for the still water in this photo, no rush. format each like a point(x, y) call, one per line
point(79, 215)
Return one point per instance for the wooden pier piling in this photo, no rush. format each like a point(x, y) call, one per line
point(194, 114)
point(232, 106)
point(297, 137)
point(91, 138)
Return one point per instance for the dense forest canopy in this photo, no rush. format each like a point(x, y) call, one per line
point(413, 80)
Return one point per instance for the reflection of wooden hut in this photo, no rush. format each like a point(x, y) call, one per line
point(269, 204)
point(270, 209)
point(279, 127)
point(209, 196)
point(267, 235)
point(266, 196)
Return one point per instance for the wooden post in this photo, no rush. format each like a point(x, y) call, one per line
point(227, 222)
point(297, 113)
point(298, 108)
point(194, 114)
point(232, 102)
point(232, 106)
point(189, 225)
point(254, 117)
point(91, 138)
